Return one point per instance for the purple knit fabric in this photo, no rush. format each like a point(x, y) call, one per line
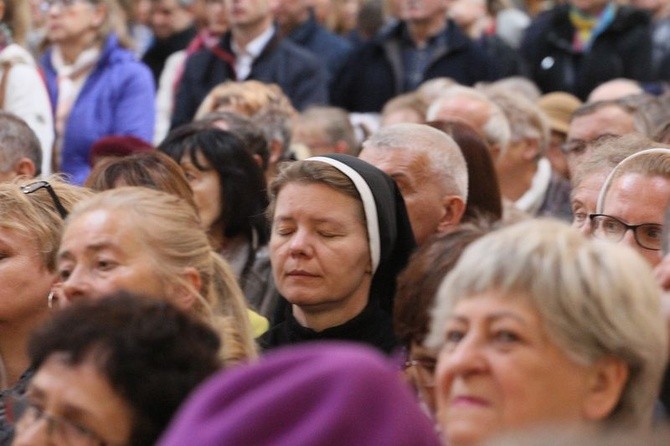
point(319, 394)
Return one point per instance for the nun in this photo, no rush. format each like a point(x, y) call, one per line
point(340, 236)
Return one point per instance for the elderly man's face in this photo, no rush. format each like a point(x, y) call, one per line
point(417, 183)
point(610, 120)
point(583, 200)
point(636, 199)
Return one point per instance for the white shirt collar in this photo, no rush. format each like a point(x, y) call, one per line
point(531, 201)
point(244, 57)
point(255, 47)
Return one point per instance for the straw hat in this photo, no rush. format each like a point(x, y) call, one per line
point(559, 107)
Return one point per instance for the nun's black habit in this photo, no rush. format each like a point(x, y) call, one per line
point(391, 243)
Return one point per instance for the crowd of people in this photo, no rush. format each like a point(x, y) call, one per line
point(326, 222)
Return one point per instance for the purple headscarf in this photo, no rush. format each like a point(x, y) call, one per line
point(318, 394)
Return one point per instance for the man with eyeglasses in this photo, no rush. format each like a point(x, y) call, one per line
point(632, 203)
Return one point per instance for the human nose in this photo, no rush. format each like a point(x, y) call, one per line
point(301, 243)
point(467, 357)
point(585, 227)
point(76, 286)
point(629, 239)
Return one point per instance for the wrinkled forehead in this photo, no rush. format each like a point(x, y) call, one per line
point(611, 120)
point(637, 195)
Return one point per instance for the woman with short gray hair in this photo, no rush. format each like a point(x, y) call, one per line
point(566, 330)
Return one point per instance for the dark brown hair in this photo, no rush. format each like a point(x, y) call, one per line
point(484, 199)
point(154, 170)
point(418, 283)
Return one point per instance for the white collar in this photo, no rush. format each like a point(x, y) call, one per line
point(256, 46)
point(532, 200)
point(85, 59)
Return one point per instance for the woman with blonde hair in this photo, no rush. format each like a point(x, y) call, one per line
point(31, 223)
point(96, 85)
point(248, 98)
point(149, 242)
point(565, 332)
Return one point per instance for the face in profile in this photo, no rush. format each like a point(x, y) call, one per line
point(583, 200)
point(319, 249)
point(102, 252)
point(500, 370)
point(72, 405)
point(25, 279)
point(206, 185)
point(420, 190)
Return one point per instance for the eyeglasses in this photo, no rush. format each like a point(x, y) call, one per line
point(425, 368)
point(46, 5)
point(37, 185)
point(576, 146)
point(647, 235)
point(24, 414)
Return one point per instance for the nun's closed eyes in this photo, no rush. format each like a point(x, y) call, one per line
point(340, 234)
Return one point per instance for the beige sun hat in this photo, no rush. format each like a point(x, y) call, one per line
point(559, 107)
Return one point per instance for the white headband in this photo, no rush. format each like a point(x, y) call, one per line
point(600, 204)
point(369, 206)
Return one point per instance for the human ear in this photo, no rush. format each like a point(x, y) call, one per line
point(608, 379)
point(495, 152)
point(531, 149)
point(454, 208)
point(185, 295)
point(99, 15)
point(275, 151)
point(25, 167)
point(341, 147)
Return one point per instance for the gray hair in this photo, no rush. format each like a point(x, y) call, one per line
point(526, 119)
point(650, 162)
point(17, 140)
point(597, 300)
point(496, 130)
point(333, 123)
point(445, 157)
point(275, 124)
point(606, 151)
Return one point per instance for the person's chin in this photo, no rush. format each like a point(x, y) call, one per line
point(302, 295)
point(467, 425)
point(466, 433)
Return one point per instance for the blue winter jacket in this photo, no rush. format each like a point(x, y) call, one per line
point(118, 98)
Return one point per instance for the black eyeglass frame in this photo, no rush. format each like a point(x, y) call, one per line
point(17, 405)
point(634, 228)
point(37, 185)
